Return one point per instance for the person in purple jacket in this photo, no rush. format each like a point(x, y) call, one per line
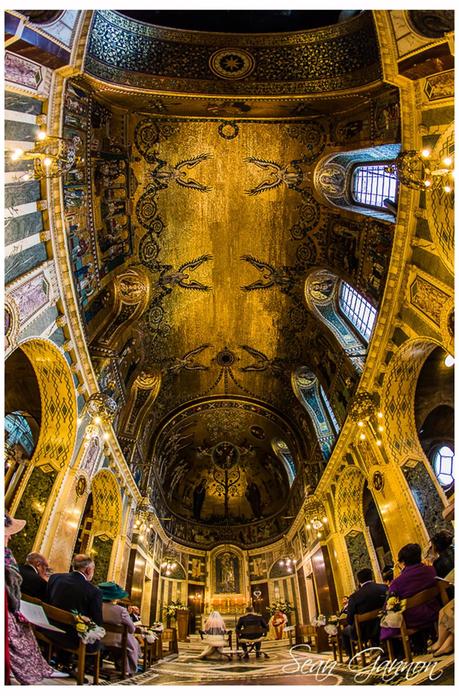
point(414, 577)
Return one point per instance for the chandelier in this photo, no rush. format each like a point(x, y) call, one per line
point(287, 560)
point(169, 561)
point(101, 408)
point(421, 171)
point(364, 410)
point(52, 156)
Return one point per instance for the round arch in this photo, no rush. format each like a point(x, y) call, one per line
point(34, 494)
point(105, 509)
point(400, 435)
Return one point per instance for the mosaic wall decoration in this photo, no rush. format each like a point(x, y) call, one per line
point(196, 569)
point(258, 567)
point(433, 24)
point(440, 205)
point(358, 551)
point(400, 433)
point(122, 50)
point(96, 191)
point(25, 73)
point(58, 403)
point(440, 86)
point(31, 296)
point(349, 500)
point(91, 455)
point(107, 504)
point(428, 298)
point(101, 550)
point(308, 389)
point(227, 573)
point(426, 497)
point(31, 507)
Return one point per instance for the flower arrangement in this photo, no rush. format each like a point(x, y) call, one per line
point(284, 606)
point(320, 620)
point(148, 635)
point(171, 609)
point(392, 612)
point(331, 627)
point(87, 630)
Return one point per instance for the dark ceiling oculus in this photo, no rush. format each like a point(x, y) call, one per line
point(231, 63)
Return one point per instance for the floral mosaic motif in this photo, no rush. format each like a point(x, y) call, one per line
point(308, 217)
point(231, 64)
point(312, 135)
point(358, 551)
point(306, 253)
point(426, 497)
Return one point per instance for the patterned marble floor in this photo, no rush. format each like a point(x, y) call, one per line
point(305, 669)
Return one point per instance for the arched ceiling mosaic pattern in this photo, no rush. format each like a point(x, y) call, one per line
point(211, 199)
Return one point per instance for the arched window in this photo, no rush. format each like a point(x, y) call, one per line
point(312, 395)
point(282, 450)
point(339, 306)
point(359, 180)
point(360, 313)
point(372, 185)
point(18, 431)
point(443, 465)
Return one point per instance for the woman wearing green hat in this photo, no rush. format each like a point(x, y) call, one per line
point(118, 615)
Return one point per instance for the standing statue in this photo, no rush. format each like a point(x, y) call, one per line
point(199, 494)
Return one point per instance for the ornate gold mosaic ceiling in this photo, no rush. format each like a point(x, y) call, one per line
point(225, 224)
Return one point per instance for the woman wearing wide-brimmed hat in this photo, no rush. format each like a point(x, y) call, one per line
point(23, 657)
point(115, 614)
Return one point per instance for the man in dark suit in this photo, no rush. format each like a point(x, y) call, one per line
point(34, 576)
point(251, 626)
point(74, 591)
point(370, 595)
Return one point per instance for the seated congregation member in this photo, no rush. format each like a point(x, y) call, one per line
point(444, 645)
point(74, 591)
point(370, 595)
point(134, 614)
point(214, 632)
point(118, 615)
point(414, 577)
point(25, 661)
point(34, 576)
point(251, 626)
point(442, 545)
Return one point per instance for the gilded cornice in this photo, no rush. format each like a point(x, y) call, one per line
point(65, 283)
point(124, 51)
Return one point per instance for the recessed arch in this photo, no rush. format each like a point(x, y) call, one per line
point(32, 495)
point(324, 292)
point(338, 183)
point(312, 396)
